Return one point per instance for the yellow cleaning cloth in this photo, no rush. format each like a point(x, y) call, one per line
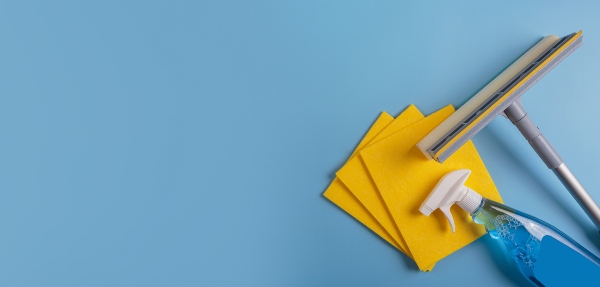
point(355, 176)
point(380, 124)
point(339, 194)
point(405, 177)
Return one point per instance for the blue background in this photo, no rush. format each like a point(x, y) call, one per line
point(188, 143)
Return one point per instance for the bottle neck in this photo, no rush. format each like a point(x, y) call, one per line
point(471, 202)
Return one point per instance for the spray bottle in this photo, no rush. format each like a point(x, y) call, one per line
point(542, 253)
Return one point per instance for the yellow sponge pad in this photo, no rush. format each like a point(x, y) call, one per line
point(405, 177)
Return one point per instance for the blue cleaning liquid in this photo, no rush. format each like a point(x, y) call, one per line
point(539, 250)
point(523, 246)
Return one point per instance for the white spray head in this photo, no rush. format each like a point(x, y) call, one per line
point(451, 189)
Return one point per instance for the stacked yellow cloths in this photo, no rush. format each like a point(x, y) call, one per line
point(387, 178)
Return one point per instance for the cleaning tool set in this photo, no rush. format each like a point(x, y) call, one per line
point(386, 179)
point(502, 97)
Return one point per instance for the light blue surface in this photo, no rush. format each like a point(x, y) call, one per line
point(186, 143)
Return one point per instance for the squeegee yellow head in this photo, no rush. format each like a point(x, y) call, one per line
point(499, 94)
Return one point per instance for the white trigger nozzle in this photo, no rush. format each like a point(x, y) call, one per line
point(451, 189)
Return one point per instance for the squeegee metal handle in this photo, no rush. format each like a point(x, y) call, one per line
point(517, 115)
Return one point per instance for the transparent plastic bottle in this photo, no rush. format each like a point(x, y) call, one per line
point(543, 254)
point(522, 234)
